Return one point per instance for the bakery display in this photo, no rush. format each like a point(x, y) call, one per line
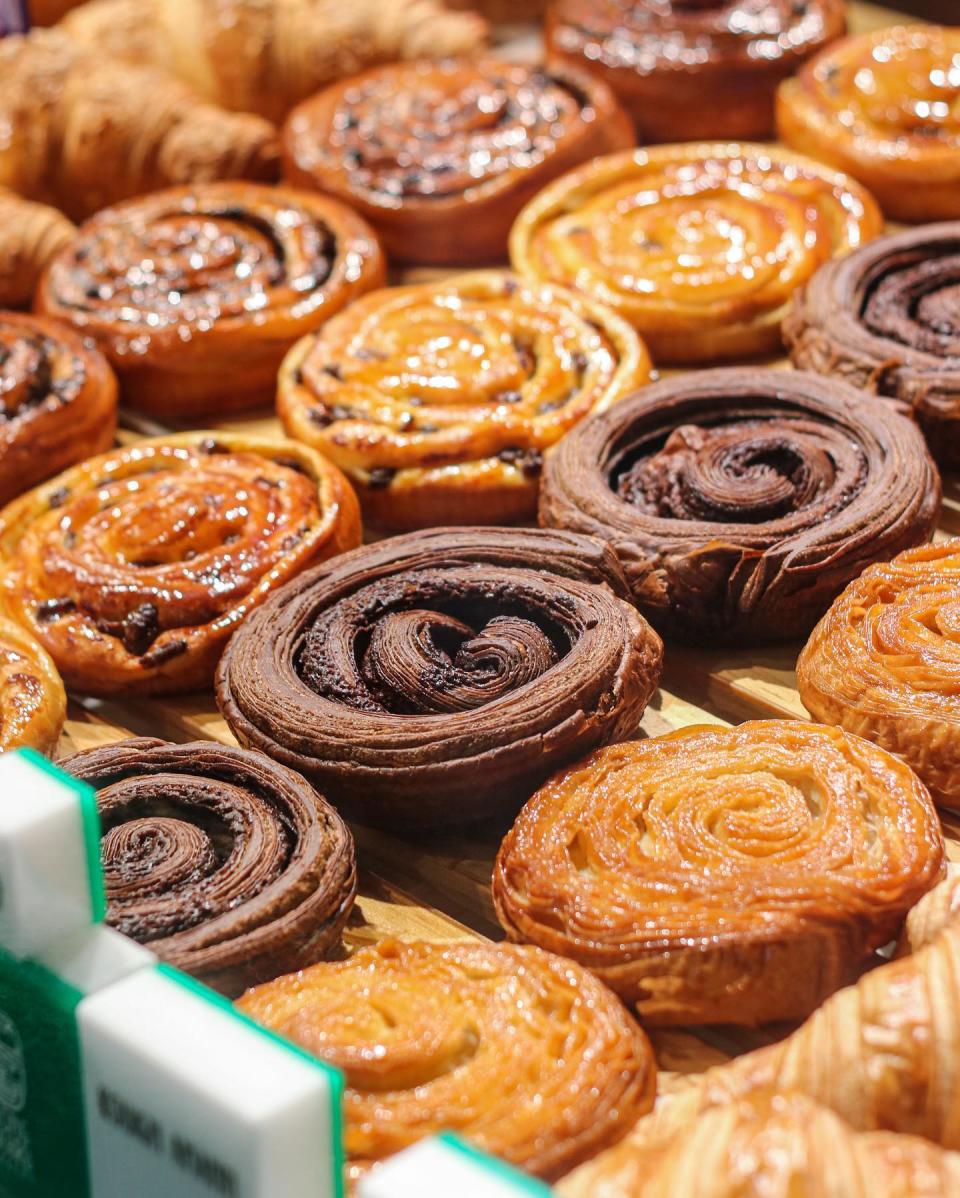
point(30, 234)
point(58, 401)
point(741, 501)
point(700, 247)
point(223, 863)
point(134, 568)
point(196, 293)
point(33, 703)
point(885, 319)
point(441, 156)
point(437, 678)
point(82, 130)
point(525, 1055)
point(884, 662)
point(439, 400)
point(692, 70)
point(690, 872)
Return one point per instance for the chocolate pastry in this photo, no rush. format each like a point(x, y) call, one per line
point(33, 703)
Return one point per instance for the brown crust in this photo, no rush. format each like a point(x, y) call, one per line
point(33, 703)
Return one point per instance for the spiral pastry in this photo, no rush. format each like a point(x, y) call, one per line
point(438, 678)
point(699, 247)
point(196, 293)
point(441, 156)
point(688, 69)
point(438, 401)
point(886, 319)
point(740, 502)
point(526, 1055)
point(33, 703)
point(58, 401)
point(884, 106)
point(133, 569)
point(227, 865)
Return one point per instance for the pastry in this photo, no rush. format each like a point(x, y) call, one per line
point(686, 70)
point(438, 678)
point(33, 703)
point(58, 401)
point(503, 11)
point(740, 502)
point(30, 234)
point(883, 106)
point(690, 872)
point(886, 319)
point(441, 157)
point(525, 1055)
point(884, 662)
point(267, 55)
point(134, 568)
point(82, 130)
point(196, 293)
point(438, 401)
point(699, 246)
point(225, 864)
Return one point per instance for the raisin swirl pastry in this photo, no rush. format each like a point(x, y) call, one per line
point(740, 502)
point(58, 401)
point(687, 69)
point(887, 319)
point(437, 678)
point(33, 703)
point(439, 400)
point(884, 106)
point(133, 569)
point(699, 246)
point(722, 875)
point(526, 1055)
point(229, 866)
point(441, 156)
point(196, 293)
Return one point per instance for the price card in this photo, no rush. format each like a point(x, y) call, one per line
point(445, 1167)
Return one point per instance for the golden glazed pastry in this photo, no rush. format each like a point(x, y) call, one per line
point(196, 293)
point(134, 568)
point(58, 401)
point(441, 157)
point(884, 662)
point(722, 875)
point(30, 234)
point(687, 70)
point(33, 703)
point(438, 401)
point(884, 106)
point(527, 1056)
point(699, 246)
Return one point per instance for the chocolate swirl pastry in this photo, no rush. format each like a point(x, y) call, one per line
point(438, 401)
point(225, 864)
point(740, 502)
point(526, 1055)
point(58, 401)
point(441, 156)
point(722, 875)
point(439, 677)
point(33, 703)
point(133, 569)
point(686, 69)
point(196, 293)
point(887, 319)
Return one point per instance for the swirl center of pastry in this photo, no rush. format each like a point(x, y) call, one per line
point(916, 302)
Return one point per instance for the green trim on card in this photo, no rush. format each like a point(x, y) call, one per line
point(522, 1182)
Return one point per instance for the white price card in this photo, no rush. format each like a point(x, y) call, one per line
point(444, 1166)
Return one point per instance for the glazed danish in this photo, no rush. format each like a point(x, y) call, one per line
point(526, 1055)
point(691, 70)
point(699, 246)
point(883, 106)
point(134, 568)
point(58, 401)
point(438, 401)
point(225, 864)
point(437, 678)
point(689, 872)
point(740, 502)
point(196, 293)
point(441, 156)
point(33, 703)
point(884, 662)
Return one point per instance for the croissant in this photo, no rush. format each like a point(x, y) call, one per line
point(30, 234)
point(81, 131)
point(267, 55)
